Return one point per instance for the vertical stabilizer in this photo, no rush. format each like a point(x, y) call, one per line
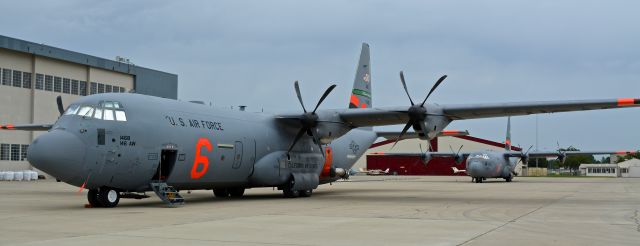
point(361, 93)
point(507, 141)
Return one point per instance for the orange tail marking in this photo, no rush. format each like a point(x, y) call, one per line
point(354, 100)
point(626, 102)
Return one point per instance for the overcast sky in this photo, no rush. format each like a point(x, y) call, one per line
point(250, 52)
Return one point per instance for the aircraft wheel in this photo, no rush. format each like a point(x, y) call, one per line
point(108, 197)
point(92, 196)
point(221, 193)
point(305, 193)
point(478, 180)
point(508, 179)
point(288, 191)
point(236, 192)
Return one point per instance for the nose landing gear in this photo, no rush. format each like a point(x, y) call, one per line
point(103, 197)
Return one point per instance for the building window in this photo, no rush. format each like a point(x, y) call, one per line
point(100, 88)
point(23, 151)
point(39, 81)
point(6, 76)
point(74, 87)
point(83, 88)
point(48, 83)
point(26, 80)
point(66, 86)
point(94, 88)
point(624, 170)
point(17, 78)
point(107, 88)
point(57, 84)
point(122, 90)
point(15, 152)
point(4, 152)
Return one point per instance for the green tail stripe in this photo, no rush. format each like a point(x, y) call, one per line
point(362, 93)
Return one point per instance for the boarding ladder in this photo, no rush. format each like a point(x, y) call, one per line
point(167, 194)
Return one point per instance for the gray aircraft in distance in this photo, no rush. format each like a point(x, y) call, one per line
point(119, 145)
point(485, 164)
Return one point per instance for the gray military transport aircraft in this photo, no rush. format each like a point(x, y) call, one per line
point(489, 163)
point(118, 145)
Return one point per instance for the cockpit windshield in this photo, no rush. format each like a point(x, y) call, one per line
point(106, 110)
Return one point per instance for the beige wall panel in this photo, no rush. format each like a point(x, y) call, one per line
point(15, 61)
point(111, 78)
point(60, 68)
point(15, 108)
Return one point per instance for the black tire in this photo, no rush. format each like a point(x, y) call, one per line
point(236, 192)
point(478, 180)
point(92, 196)
point(508, 179)
point(288, 191)
point(108, 197)
point(221, 193)
point(305, 193)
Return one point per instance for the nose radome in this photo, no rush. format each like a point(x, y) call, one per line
point(60, 154)
point(474, 167)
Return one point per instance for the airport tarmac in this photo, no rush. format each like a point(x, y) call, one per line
point(380, 210)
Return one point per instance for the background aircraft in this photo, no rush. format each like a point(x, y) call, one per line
point(485, 164)
point(117, 145)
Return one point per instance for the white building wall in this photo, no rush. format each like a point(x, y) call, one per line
point(19, 105)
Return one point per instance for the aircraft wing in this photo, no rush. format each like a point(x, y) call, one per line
point(432, 154)
point(474, 111)
point(542, 154)
point(444, 133)
point(27, 127)
point(362, 117)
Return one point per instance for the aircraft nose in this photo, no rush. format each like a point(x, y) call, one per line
point(60, 154)
point(474, 167)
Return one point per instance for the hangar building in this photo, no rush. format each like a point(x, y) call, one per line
point(402, 165)
point(32, 76)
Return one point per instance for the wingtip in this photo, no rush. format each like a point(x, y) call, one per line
point(622, 102)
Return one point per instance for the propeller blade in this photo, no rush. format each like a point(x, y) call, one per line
point(326, 93)
point(433, 88)
point(528, 150)
point(60, 107)
point(295, 140)
point(406, 127)
point(420, 146)
point(315, 139)
point(458, 153)
point(295, 84)
point(405, 87)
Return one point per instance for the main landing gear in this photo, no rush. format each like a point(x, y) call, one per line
point(104, 197)
point(289, 192)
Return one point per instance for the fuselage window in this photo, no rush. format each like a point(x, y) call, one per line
point(108, 114)
point(72, 109)
point(120, 115)
point(108, 104)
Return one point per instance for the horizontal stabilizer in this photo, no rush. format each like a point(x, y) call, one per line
point(390, 135)
point(456, 170)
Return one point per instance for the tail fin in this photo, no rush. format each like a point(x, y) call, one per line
point(507, 141)
point(361, 93)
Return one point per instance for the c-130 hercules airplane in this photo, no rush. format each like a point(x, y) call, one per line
point(485, 164)
point(120, 144)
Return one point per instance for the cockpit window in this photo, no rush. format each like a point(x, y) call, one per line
point(98, 114)
point(85, 111)
point(73, 108)
point(120, 115)
point(107, 110)
point(108, 114)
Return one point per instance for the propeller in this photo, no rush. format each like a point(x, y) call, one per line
point(417, 112)
point(457, 157)
point(524, 156)
point(60, 107)
point(309, 120)
point(561, 154)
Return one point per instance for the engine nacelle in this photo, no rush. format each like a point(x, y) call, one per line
point(562, 157)
point(339, 172)
point(426, 157)
point(458, 158)
point(524, 159)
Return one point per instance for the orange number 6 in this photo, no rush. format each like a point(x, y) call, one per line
point(200, 159)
